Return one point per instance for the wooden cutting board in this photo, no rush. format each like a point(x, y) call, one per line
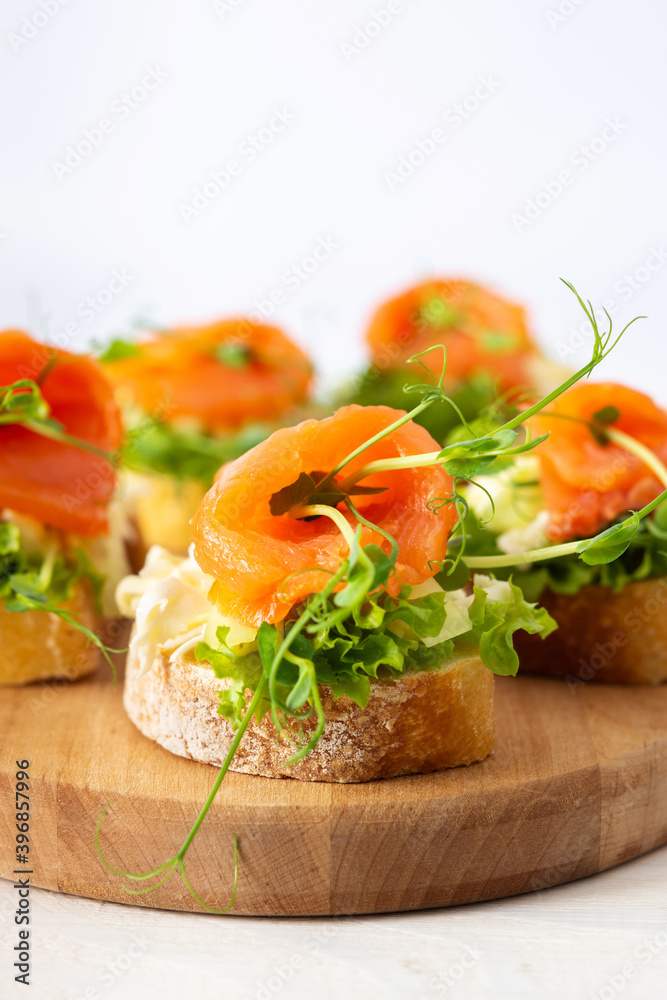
point(577, 784)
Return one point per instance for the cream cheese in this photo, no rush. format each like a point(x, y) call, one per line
point(169, 600)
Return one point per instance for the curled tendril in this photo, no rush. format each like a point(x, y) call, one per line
point(458, 532)
point(318, 616)
point(473, 482)
point(436, 393)
point(175, 864)
point(415, 359)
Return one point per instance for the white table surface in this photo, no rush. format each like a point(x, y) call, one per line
point(594, 939)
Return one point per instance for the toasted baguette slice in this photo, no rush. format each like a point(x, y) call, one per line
point(421, 722)
point(38, 645)
point(602, 636)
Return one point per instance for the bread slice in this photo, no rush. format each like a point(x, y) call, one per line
point(602, 636)
point(38, 645)
point(421, 722)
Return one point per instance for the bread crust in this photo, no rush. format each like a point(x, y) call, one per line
point(38, 645)
point(602, 636)
point(421, 722)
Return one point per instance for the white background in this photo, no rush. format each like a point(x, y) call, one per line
point(556, 79)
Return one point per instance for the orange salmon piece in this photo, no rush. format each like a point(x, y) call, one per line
point(226, 375)
point(586, 484)
point(264, 564)
point(481, 332)
point(55, 483)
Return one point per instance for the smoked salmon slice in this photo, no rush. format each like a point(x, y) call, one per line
point(264, 564)
point(226, 374)
point(481, 332)
point(55, 483)
point(586, 484)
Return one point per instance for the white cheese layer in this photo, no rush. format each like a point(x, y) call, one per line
point(517, 513)
point(169, 601)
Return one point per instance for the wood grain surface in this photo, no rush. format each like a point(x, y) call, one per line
point(577, 783)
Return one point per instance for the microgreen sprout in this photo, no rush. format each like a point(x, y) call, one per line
point(607, 545)
point(350, 614)
point(22, 403)
point(32, 582)
point(23, 588)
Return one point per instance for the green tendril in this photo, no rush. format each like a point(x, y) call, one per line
point(179, 858)
point(361, 578)
point(22, 403)
point(490, 499)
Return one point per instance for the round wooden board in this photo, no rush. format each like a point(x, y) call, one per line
point(577, 783)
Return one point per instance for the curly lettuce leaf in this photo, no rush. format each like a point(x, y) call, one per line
point(396, 388)
point(494, 623)
point(31, 580)
point(157, 447)
point(407, 634)
point(636, 555)
point(243, 672)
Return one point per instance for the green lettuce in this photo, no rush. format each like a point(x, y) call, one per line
point(392, 388)
point(155, 446)
point(33, 581)
point(244, 671)
point(494, 623)
point(383, 638)
point(643, 556)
